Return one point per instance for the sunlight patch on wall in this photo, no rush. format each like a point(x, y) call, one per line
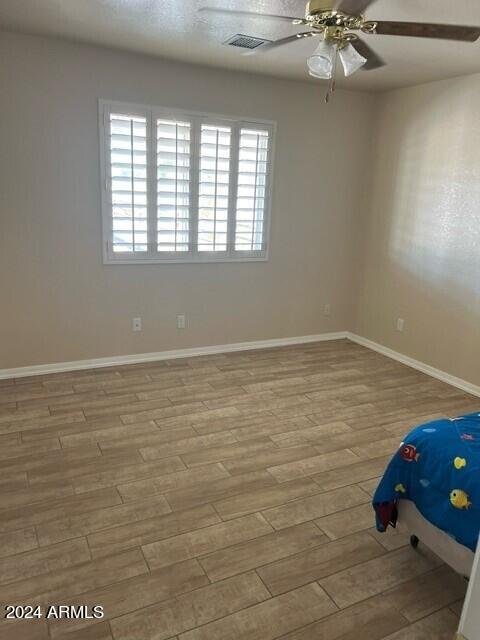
point(435, 230)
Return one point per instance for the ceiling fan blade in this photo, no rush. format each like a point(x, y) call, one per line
point(427, 30)
point(353, 7)
point(374, 61)
point(278, 43)
point(251, 14)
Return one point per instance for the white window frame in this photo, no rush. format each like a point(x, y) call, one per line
point(152, 256)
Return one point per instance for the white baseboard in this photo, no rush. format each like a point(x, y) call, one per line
point(97, 363)
point(416, 364)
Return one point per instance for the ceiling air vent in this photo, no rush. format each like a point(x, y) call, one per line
point(245, 42)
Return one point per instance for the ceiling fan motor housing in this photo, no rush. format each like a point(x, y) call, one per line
point(322, 15)
point(314, 7)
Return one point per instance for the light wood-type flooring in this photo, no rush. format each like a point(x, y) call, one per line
point(218, 498)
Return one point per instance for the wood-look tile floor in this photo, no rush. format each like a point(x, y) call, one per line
point(218, 498)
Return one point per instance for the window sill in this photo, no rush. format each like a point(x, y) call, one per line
point(194, 260)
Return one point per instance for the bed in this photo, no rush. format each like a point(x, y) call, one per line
point(432, 487)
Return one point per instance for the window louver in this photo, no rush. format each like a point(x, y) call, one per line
point(128, 172)
point(173, 185)
point(251, 190)
point(214, 178)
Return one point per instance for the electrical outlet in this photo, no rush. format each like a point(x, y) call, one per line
point(136, 324)
point(327, 310)
point(400, 324)
point(181, 322)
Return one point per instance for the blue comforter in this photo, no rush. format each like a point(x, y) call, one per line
point(438, 468)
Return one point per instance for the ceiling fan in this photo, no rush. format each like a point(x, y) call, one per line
point(338, 22)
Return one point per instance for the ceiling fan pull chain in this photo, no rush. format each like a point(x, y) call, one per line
point(331, 82)
point(327, 95)
point(334, 70)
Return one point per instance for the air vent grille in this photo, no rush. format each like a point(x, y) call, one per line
point(245, 42)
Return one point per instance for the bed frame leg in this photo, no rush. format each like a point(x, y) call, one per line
point(414, 541)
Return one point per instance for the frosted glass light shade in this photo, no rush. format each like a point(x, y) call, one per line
point(351, 60)
point(320, 63)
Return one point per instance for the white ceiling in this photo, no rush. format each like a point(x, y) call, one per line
point(174, 29)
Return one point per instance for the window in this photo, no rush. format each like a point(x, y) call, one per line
point(183, 187)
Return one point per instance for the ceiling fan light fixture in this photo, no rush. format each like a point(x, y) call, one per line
point(351, 60)
point(320, 63)
point(322, 75)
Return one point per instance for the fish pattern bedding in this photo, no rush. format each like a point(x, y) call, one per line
point(438, 468)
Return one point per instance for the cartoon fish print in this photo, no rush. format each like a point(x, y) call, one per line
point(467, 436)
point(459, 463)
point(409, 453)
point(459, 499)
point(399, 488)
point(425, 483)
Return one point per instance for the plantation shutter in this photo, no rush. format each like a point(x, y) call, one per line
point(128, 179)
point(183, 187)
point(213, 187)
point(253, 161)
point(173, 185)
